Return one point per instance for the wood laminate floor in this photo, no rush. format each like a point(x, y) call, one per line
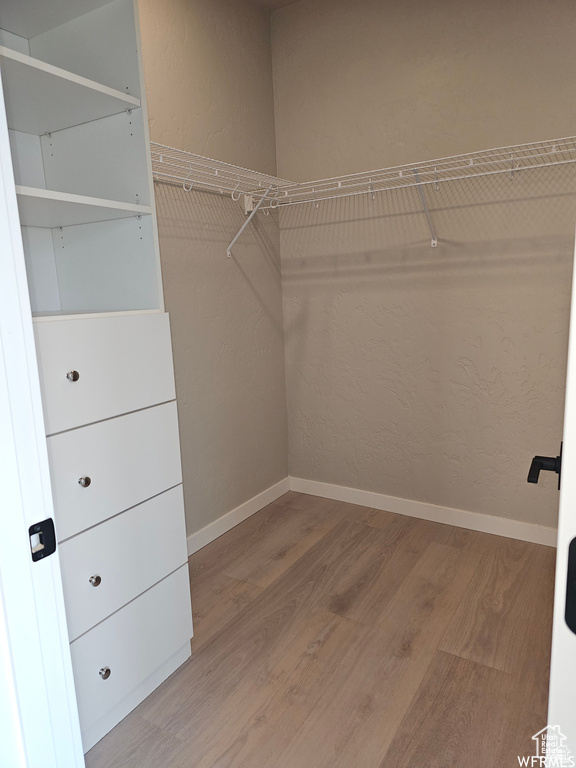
point(333, 636)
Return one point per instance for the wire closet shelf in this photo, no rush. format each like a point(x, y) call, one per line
point(175, 166)
point(196, 172)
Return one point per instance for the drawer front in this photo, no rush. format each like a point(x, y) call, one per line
point(132, 644)
point(127, 460)
point(124, 363)
point(109, 565)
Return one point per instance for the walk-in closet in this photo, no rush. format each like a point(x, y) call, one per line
point(295, 293)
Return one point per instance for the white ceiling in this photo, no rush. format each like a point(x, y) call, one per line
point(273, 5)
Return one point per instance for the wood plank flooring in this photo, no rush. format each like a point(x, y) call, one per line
point(333, 636)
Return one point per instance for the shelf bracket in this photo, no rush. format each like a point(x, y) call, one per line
point(434, 240)
point(249, 219)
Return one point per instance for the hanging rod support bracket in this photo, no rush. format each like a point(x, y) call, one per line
point(434, 240)
point(249, 219)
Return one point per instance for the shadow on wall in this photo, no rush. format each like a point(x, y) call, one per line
point(206, 223)
point(491, 222)
point(227, 331)
point(432, 373)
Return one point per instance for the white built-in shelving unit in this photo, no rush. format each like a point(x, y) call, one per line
point(79, 137)
point(75, 105)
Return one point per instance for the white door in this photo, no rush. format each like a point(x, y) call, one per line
point(38, 715)
point(562, 703)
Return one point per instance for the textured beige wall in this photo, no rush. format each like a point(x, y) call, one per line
point(374, 83)
point(429, 374)
point(208, 77)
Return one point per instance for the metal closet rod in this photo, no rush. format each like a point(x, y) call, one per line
point(458, 167)
point(176, 166)
point(373, 187)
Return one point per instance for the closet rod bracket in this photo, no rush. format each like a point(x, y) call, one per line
point(434, 240)
point(249, 219)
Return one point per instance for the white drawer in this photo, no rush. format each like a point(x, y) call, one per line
point(124, 363)
point(124, 557)
point(132, 644)
point(128, 460)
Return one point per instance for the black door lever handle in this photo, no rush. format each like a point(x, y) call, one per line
point(538, 464)
point(548, 463)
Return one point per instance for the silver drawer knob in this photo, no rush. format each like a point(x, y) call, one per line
point(84, 482)
point(72, 375)
point(95, 581)
point(104, 673)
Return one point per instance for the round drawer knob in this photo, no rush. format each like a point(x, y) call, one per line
point(95, 581)
point(72, 375)
point(104, 673)
point(84, 482)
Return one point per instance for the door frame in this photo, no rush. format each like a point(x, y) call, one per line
point(561, 707)
point(39, 725)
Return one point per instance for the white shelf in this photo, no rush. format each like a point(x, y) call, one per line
point(175, 166)
point(45, 208)
point(88, 314)
point(29, 18)
point(473, 165)
point(41, 98)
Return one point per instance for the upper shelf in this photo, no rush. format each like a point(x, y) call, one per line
point(46, 208)
point(29, 18)
point(41, 98)
point(192, 171)
point(175, 166)
point(473, 165)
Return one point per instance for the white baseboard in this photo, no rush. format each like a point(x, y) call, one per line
point(211, 531)
point(474, 521)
